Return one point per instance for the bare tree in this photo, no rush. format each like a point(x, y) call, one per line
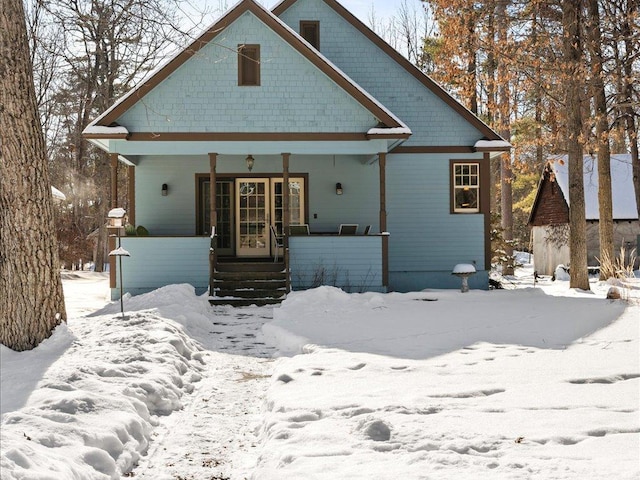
point(504, 122)
point(105, 47)
point(31, 297)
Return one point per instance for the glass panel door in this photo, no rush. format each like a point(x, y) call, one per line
point(224, 208)
point(296, 203)
point(252, 217)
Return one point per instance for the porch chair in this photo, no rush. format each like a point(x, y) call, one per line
point(367, 229)
point(277, 243)
point(348, 229)
point(302, 229)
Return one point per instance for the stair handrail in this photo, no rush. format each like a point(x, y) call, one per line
point(213, 259)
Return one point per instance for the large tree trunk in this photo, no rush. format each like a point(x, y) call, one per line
point(31, 297)
point(572, 56)
point(506, 173)
point(605, 225)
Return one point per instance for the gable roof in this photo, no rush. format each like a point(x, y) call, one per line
point(404, 63)
point(384, 115)
point(622, 189)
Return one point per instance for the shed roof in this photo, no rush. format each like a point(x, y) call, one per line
point(623, 194)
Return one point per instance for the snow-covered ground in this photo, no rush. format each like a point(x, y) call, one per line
point(519, 383)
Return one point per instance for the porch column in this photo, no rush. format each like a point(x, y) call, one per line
point(485, 206)
point(213, 158)
point(382, 161)
point(285, 199)
point(131, 194)
point(114, 179)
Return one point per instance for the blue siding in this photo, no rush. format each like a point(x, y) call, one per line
point(431, 120)
point(351, 263)
point(203, 94)
point(426, 239)
point(174, 214)
point(159, 261)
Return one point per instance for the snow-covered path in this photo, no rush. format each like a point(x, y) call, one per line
point(214, 435)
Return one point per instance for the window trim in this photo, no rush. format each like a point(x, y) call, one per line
point(453, 187)
point(248, 47)
point(313, 23)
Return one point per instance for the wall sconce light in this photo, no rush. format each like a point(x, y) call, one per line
point(338, 189)
point(165, 189)
point(250, 161)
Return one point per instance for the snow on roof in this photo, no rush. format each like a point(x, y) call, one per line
point(622, 191)
point(57, 194)
point(491, 144)
point(389, 131)
point(101, 130)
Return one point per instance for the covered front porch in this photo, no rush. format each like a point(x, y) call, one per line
point(255, 217)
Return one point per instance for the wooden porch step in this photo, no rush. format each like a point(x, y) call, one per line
point(248, 276)
point(250, 267)
point(250, 293)
point(244, 302)
point(244, 283)
point(274, 284)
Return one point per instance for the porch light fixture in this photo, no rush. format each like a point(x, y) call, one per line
point(338, 189)
point(250, 161)
point(165, 189)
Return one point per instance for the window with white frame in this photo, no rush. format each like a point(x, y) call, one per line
point(466, 187)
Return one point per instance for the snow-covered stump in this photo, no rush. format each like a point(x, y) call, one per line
point(464, 271)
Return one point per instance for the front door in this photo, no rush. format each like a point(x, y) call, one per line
point(252, 217)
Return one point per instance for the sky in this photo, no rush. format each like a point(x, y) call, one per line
point(360, 8)
point(534, 381)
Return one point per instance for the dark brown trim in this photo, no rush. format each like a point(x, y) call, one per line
point(285, 199)
point(246, 137)
point(213, 158)
point(294, 40)
point(492, 149)
point(485, 206)
point(105, 136)
point(384, 136)
point(315, 43)
point(382, 161)
point(248, 54)
point(432, 149)
point(131, 194)
point(403, 62)
point(113, 157)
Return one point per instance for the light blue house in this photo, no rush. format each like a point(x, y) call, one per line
point(308, 97)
